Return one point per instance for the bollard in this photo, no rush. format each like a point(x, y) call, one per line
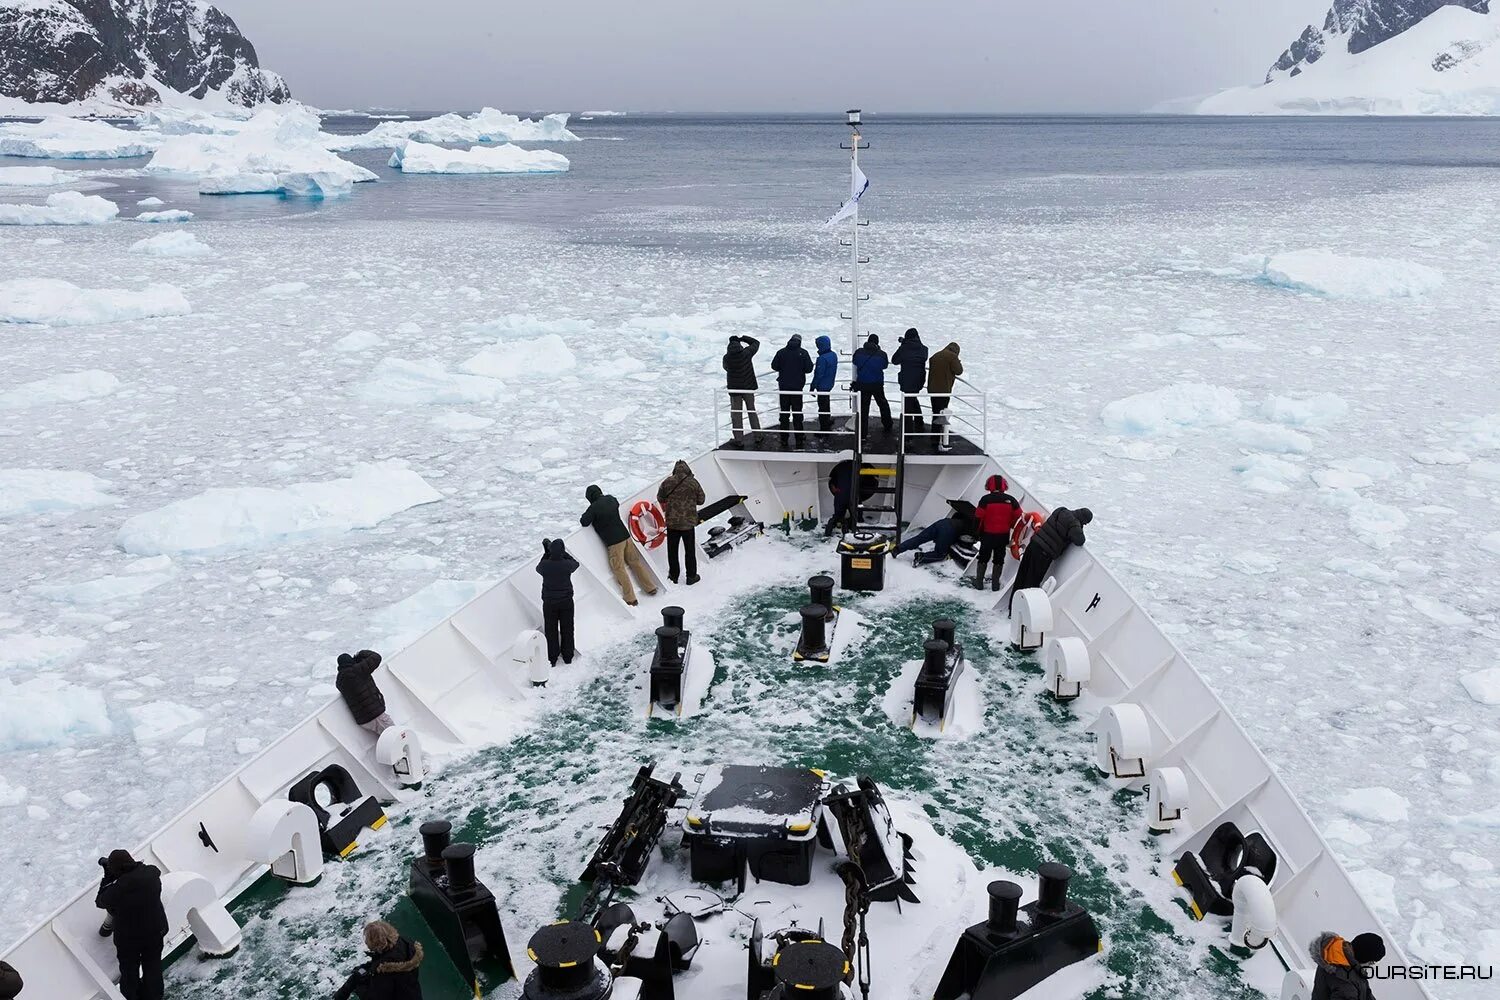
point(458, 860)
point(1005, 900)
point(672, 617)
point(436, 836)
point(820, 588)
point(946, 630)
point(813, 645)
point(668, 646)
point(1052, 890)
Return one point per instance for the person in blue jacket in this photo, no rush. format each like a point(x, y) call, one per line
point(791, 365)
point(825, 372)
point(911, 358)
point(870, 364)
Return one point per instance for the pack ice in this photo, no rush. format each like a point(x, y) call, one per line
point(1323, 272)
point(421, 158)
point(67, 387)
point(65, 208)
point(41, 491)
point(62, 303)
point(487, 125)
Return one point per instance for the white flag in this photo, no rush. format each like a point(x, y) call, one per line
point(858, 185)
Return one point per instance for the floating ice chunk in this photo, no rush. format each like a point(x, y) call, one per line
point(1483, 433)
point(343, 586)
point(159, 719)
point(415, 562)
point(78, 799)
point(1317, 410)
point(398, 381)
point(11, 795)
point(33, 177)
point(284, 288)
point(1443, 614)
point(31, 652)
point(65, 208)
point(222, 519)
point(1341, 479)
point(359, 340)
point(1362, 570)
point(1182, 405)
point(1140, 451)
point(421, 158)
point(61, 303)
point(1022, 404)
point(707, 326)
point(1491, 542)
point(74, 139)
point(541, 358)
point(454, 420)
point(1377, 805)
point(106, 589)
point(528, 325)
point(1378, 889)
point(1483, 685)
point(1471, 863)
point(523, 465)
point(1347, 831)
point(1268, 474)
point(399, 624)
point(48, 710)
point(487, 125)
point(1272, 438)
point(69, 387)
point(40, 491)
point(171, 215)
point(173, 244)
point(150, 202)
point(1323, 272)
point(1374, 523)
point(1253, 563)
point(1440, 456)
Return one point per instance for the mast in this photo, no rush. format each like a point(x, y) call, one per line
point(854, 145)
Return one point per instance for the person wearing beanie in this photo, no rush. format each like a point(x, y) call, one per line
point(911, 359)
point(603, 515)
point(356, 682)
point(392, 971)
point(1340, 974)
point(997, 513)
point(870, 364)
point(130, 893)
point(792, 364)
point(1062, 528)
point(10, 982)
point(739, 379)
point(556, 569)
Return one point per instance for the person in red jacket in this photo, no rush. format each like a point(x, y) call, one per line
point(997, 514)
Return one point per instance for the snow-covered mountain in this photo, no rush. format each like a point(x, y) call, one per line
point(105, 53)
point(1382, 57)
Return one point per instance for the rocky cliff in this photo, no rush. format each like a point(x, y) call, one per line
point(127, 51)
point(1357, 25)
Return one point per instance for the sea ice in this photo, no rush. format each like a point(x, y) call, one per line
point(541, 358)
point(105, 589)
point(400, 624)
point(488, 125)
point(1341, 479)
point(73, 139)
point(454, 420)
point(48, 710)
point(226, 518)
point(1378, 889)
point(40, 491)
point(174, 244)
point(151, 202)
point(170, 215)
point(65, 208)
point(61, 303)
point(1491, 542)
point(1323, 272)
point(1376, 523)
point(159, 719)
point(1268, 474)
point(1443, 614)
point(1483, 685)
point(68, 387)
point(33, 177)
point(1377, 805)
point(11, 795)
point(1180, 406)
point(32, 652)
point(1272, 438)
point(1316, 410)
point(359, 340)
point(399, 381)
point(421, 158)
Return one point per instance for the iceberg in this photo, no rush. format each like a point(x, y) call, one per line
point(1335, 276)
point(422, 158)
point(1180, 406)
point(225, 519)
point(62, 303)
point(487, 125)
point(33, 177)
point(65, 208)
point(174, 244)
point(45, 491)
point(72, 139)
point(71, 387)
point(170, 215)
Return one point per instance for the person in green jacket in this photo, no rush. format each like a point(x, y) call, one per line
point(603, 515)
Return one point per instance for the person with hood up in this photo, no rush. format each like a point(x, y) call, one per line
point(739, 378)
point(603, 514)
point(556, 569)
point(870, 364)
point(1340, 974)
point(825, 373)
point(997, 513)
point(942, 533)
point(942, 372)
point(130, 893)
point(10, 982)
point(1062, 528)
point(356, 682)
point(911, 358)
point(680, 496)
point(392, 971)
point(791, 365)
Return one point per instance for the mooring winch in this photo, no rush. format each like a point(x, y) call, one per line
point(942, 663)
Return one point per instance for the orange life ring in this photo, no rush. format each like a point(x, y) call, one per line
point(1020, 533)
point(648, 524)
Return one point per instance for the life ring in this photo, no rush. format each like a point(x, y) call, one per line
point(1020, 533)
point(648, 524)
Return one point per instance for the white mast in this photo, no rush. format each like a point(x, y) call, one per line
point(855, 260)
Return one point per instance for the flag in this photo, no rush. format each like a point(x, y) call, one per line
point(858, 185)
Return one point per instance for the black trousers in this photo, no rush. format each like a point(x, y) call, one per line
point(1035, 562)
point(557, 625)
point(825, 413)
point(874, 391)
point(911, 407)
point(686, 539)
point(791, 412)
point(840, 513)
point(140, 970)
point(992, 547)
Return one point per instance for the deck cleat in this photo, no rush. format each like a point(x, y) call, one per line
point(942, 665)
point(459, 908)
point(670, 663)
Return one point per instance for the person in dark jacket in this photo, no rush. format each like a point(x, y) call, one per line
point(680, 495)
point(392, 971)
point(1340, 974)
point(739, 378)
point(825, 373)
point(556, 569)
point(10, 982)
point(997, 513)
point(870, 364)
point(130, 893)
point(911, 358)
point(1062, 528)
point(356, 682)
point(603, 514)
point(942, 373)
point(942, 533)
point(841, 485)
point(792, 365)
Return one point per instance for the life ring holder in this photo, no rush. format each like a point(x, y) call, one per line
point(648, 524)
point(1020, 533)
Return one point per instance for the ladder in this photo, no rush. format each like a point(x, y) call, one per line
point(886, 496)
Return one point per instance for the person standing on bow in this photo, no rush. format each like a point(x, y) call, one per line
point(739, 378)
point(792, 365)
point(603, 515)
point(556, 569)
point(870, 364)
point(997, 513)
point(942, 373)
point(130, 893)
point(1340, 965)
point(911, 359)
point(680, 495)
point(825, 373)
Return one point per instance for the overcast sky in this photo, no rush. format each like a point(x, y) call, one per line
point(794, 55)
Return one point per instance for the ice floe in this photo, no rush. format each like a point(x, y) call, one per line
point(1272, 438)
point(138, 580)
point(1268, 474)
point(1491, 542)
point(1483, 685)
point(174, 244)
point(359, 340)
point(422, 158)
point(487, 125)
point(44, 491)
point(1438, 611)
point(33, 177)
point(65, 208)
point(32, 652)
point(67, 387)
point(48, 710)
point(1313, 410)
point(1323, 272)
point(396, 380)
point(541, 358)
point(226, 518)
point(73, 139)
point(1180, 406)
point(170, 215)
point(62, 303)
point(157, 720)
point(1376, 805)
point(405, 621)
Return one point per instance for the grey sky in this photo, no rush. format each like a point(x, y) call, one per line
point(890, 55)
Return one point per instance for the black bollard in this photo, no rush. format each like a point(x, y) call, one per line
point(672, 617)
point(820, 588)
point(934, 657)
point(814, 642)
point(1005, 900)
point(668, 646)
point(945, 630)
point(436, 836)
point(1052, 891)
point(458, 860)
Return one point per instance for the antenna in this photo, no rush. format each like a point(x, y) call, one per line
point(854, 145)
